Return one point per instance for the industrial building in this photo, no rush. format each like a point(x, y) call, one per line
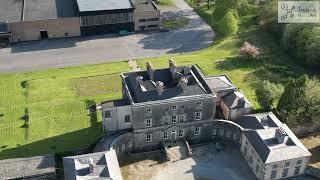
point(27, 20)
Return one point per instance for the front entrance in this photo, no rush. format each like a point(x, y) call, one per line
point(173, 135)
point(44, 35)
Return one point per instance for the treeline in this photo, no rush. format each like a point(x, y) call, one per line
point(301, 41)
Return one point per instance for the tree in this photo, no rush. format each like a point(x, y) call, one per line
point(267, 93)
point(228, 25)
point(250, 51)
point(300, 101)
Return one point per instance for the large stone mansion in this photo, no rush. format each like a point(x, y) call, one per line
point(162, 106)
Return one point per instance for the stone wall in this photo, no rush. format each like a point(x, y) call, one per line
point(313, 171)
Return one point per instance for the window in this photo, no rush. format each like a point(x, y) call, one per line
point(174, 107)
point(245, 150)
point(273, 174)
point(198, 115)
point(257, 168)
point(142, 20)
point(149, 137)
point(197, 131)
point(181, 133)
point(66, 34)
point(130, 144)
point(153, 19)
point(142, 27)
point(287, 164)
point(221, 132)
point(285, 172)
point(127, 118)
point(297, 170)
point(299, 162)
point(123, 147)
point(228, 134)
point(199, 104)
point(235, 136)
point(148, 111)
point(250, 160)
point(152, 26)
point(181, 118)
point(214, 132)
point(174, 118)
point(149, 122)
point(275, 166)
point(165, 135)
point(107, 114)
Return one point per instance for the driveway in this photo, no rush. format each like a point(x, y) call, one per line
point(36, 55)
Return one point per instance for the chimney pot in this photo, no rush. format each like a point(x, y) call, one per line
point(159, 87)
point(183, 83)
point(150, 70)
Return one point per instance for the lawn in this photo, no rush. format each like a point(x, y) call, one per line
point(54, 103)
point(46, 111)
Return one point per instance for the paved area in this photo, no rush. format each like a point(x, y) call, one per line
point(206, 163)
point(98, 49)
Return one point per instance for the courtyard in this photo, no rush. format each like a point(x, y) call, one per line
point(207, 162)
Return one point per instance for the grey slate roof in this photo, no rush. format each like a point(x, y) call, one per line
point(106, 166)
point(31, 10)
point(233, 100)
point(48, 9)
point(114, 103)
point(220, 83)
point(27, 167)
point(101, 5)
point(262, 136)
point(171, 90)
point(10, 10)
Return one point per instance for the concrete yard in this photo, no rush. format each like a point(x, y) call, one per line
point(206, 163)
point(55, 53)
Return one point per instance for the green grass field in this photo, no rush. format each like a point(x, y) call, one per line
point(56, 100)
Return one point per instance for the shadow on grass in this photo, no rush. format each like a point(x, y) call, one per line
point(315, 155)
point(63, 145)
point(93, 115)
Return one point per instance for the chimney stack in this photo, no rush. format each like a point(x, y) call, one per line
point(91, 166)
point(183, 83)
point(173, 69)
point(186, 70)
point(139, 80)
point(281, 136)
point(159, 87)
point(150, 70)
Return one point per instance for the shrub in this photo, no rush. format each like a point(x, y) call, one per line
point(250, 51)
point(300, 102)
point(267, 94)
point(228, 25)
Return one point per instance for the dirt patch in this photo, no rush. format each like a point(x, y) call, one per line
point(312, 142)
point(206, 163)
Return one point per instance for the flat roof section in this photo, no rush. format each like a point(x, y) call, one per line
point(144, 5)
point(48, 9)
point(11, 10)
point(102, 5)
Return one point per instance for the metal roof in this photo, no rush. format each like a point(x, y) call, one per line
point(10, 10)
point(102, 5)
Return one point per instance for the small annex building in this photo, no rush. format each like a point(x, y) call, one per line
point(27, 20)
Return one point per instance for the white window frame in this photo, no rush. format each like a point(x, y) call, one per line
point(228, 134)
point(181, 133)
point(221, 132)
point(214, 132)
point(149, 122)
point(174, 107)
point(175, 119)
point(130, 144)
point(148, 111)
point(165, 135)
point(149, 137)
point(198, 115)
point(199, 104)
point(197, 130)
point(123, 147)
